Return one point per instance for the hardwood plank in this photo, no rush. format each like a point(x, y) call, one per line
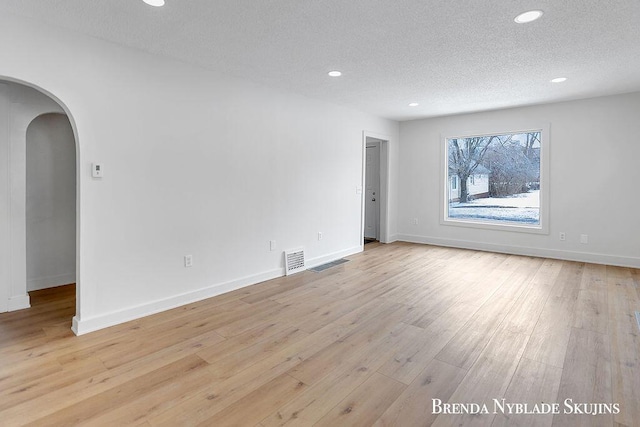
point(203, 404)
point(488, 378)
point(271, 293)
point(586, 377)
point(428, 309)
point(324, 395)
point(407, 363)
point(335, 311)
point(355, 343)
point(465, 347)
point(592, 311)
point(230, 365)
point(14, 375)
point(258, 312)
point(525, 313)
point(365, 404)
point(225, 303)
point(206, 403)
point(414, 406)
point(550, 337)
point(42, 385)
point(261, 331)
point(117, 396)
point(569, 281)
point(147, 404)
point(624, 300)
point(256, 405)
point(533, 383)
point(594, 276)
point(42, 406)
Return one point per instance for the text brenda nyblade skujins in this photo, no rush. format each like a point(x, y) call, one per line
point(501, 406)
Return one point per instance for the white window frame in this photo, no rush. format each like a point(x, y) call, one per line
point(543, 227)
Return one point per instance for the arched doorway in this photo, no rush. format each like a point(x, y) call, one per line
point(22, 105)
point(50, 202)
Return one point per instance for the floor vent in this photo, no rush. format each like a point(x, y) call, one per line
point(323, 267)
point(294, 261)
point(638, 318)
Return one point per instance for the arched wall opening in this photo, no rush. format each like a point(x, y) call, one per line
point(26, 109)
point(50, 202)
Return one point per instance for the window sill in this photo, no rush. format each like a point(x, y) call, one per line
point(512, 227)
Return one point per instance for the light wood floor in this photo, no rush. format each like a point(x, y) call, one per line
point(369, 342)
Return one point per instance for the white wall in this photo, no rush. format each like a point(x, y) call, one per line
point(19, 105)
point(594, 177)
point(195, 163)
point(50, 202)
point(5, 229)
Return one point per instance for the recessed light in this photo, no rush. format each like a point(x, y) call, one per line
point(335, 73)
point(156, 3)
point(413, 104)
point(529, 16)
point(559, 80)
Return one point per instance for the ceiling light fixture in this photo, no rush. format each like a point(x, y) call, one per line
point(413, 104)
point(559, 80)
point(155, 3)
point(335, 73)
point(529, 16)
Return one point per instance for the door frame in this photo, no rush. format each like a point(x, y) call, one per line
point(374, 144)
point(383, 218)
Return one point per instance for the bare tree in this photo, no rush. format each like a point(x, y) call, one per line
point(530, 141)
point(514, 165)
point(466, 154)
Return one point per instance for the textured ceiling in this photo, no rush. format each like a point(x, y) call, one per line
point(450, 56)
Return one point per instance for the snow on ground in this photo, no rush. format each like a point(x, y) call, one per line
point(522, 200)
point(521, 208)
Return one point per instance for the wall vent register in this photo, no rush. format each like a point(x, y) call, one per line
point(294, 261)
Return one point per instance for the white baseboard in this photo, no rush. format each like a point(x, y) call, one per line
point(85, 325)
point(50, 281)
point(19, 302)
point(392, 238)
point(589, 257)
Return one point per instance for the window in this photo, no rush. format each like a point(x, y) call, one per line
point(497, 181)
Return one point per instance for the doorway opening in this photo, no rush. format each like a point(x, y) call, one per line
point(372, 192)
point(375, 188)
point(39, 230)
point(50, 202)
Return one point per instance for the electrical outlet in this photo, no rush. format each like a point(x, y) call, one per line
point(319, 235)
point(188, 260)
point(584, 238)
point(415, 221)
point(562, 236)
point(272, 245)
